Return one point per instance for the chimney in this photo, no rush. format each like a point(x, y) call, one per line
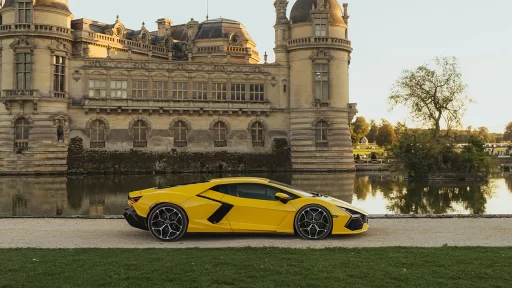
point(164, 26)
point(192, 28)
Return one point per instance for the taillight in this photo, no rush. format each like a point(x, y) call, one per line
point(135, 199)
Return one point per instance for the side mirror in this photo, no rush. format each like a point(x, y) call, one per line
point(282, 197)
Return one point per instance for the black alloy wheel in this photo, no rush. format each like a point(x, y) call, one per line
point(313, 222)
point(168, 222)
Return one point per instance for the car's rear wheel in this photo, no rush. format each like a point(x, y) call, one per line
point(168, 222)
point(313, 222)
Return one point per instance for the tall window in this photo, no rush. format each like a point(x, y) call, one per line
point(97, 133)
point(23, 71)
point(238, 92)
point(180, 90)
point(59, 73)
point(180, 134)
point(220, 131)
point(140, 89)
point(21, 128)
point(322, 82)
point(257, 92)
point(25, 12)
point(200, 91)
point(321, 27)
point(118, 89)
point(160, 90)
point(322, 130)
point(219, 91)
point(258, 134)
point(98, 88)
point(140, 130)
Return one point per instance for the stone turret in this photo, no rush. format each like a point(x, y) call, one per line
point(35, 102)
point(282, 31)
point(320, 113)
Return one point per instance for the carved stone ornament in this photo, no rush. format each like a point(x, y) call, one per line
point(60, 119)
point(60, 46)
point(77, 75)
point(321, 54)
point(23, 43)
point(273, 81)
point(20, 116)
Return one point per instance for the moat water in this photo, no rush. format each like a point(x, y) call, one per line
point(377, 193)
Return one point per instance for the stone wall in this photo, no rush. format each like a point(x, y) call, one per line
point(81, 161)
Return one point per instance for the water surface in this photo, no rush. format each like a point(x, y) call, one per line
point(376, 193)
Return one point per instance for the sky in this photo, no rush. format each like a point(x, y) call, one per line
point(388, 36)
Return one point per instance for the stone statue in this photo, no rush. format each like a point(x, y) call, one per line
point(60, 133)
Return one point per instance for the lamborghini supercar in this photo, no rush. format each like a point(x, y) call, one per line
point(241, 205)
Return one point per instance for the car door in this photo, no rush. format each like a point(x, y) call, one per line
point(255, 208)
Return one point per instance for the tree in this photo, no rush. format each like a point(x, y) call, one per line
point(400, 128)
point(359, 129)
point(373, 131)
point(483, 133)
point(508, 132)
point(386, 135)
point(433, 95)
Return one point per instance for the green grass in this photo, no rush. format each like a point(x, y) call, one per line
point(367, 151)
point(251, 267)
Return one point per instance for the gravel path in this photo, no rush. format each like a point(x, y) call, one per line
point(115, 233)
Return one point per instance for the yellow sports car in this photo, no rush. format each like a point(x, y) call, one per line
point(245, 205)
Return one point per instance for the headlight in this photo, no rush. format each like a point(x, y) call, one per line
point(351, 212)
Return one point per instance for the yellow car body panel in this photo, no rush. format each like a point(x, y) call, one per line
point(249, 215)
point(202, 205)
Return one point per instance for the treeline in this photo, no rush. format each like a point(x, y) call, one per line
point(384, 134)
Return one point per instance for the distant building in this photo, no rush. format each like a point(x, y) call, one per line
point(364, 141)
point(193, 87)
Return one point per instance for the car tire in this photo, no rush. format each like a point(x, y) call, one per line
point(168, 222)
point(313, 222)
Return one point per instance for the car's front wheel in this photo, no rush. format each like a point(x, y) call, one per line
point(313, 222)
point(167, 222)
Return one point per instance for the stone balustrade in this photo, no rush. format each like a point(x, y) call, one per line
point(179, 106)
point(322, 41)
point(21, 28)
point(22, 94)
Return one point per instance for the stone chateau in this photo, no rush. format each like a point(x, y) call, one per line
point(193, 87)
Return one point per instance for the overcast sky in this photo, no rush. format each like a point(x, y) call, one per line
point(388, 36)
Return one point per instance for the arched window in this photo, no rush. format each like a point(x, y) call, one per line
point(322, 130)
point(97, 134)
point(258, 134)
point(140, 131)
point(180, 134)
point(21, 129)
point(220, 131)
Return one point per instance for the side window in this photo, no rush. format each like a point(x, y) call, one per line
point(255, 191)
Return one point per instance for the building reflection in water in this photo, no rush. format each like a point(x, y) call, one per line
point(27, 196)
point(106, 195)
point(339, 186)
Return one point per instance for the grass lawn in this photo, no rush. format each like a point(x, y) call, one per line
point(368, 151)
point(251, 267)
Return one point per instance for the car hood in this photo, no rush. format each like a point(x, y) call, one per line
point(341, 203)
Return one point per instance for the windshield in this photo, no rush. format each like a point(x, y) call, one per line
point(296, 190)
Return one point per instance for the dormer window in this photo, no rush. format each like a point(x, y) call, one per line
point(24, 11)
point(235, 39)
point(321, 27)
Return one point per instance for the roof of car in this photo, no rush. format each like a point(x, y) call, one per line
point(241, 180)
